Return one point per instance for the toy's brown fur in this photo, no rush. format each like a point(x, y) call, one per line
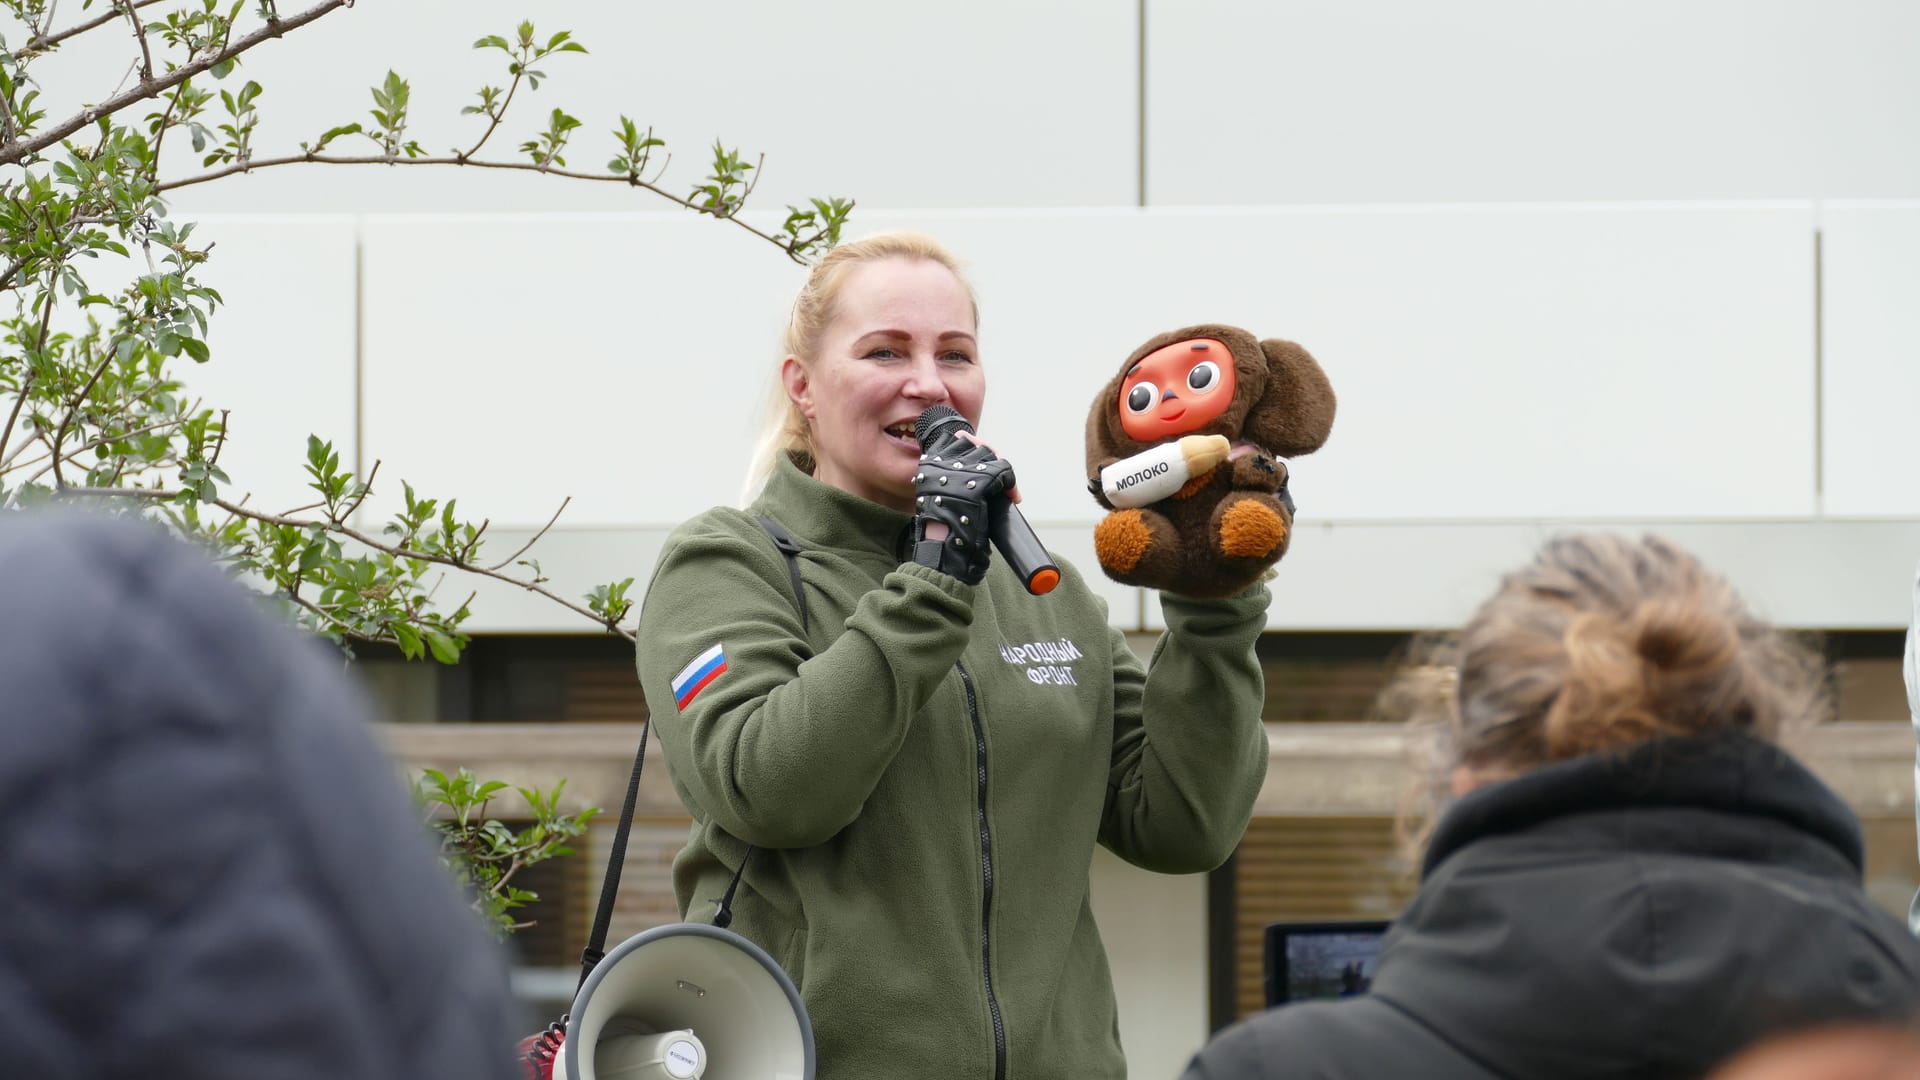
point(1221, 531)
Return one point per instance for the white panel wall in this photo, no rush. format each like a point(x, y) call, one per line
point(997, 103)
point(1835, 575)
point(1155, 929)
point(282, 348)
point(1406, 100)
point(1493, 363)
point(1871, 358)
point(501, 369)
point(1509, 362)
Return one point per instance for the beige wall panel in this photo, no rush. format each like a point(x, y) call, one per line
point(1811, 574)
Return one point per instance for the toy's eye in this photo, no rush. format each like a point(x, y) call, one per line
point(1142, 396)
point(1204, 376)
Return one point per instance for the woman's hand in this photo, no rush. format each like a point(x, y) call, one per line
point(954, 498)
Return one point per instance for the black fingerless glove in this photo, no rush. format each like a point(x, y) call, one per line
point(960, 491)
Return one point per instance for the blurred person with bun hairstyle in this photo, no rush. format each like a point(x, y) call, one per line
point(1624, 873)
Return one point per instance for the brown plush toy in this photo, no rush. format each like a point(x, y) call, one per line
point(1184, 446)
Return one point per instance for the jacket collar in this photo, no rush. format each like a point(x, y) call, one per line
point(1731, 773)
point(823, 516)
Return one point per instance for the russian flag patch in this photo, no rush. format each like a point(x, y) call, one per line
point(695, 676)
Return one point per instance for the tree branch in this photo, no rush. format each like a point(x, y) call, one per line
point(363, 539)
point(6, 433)
point(60, 435)
point(41, 43)
point(14, 152)
point(523, 166)
point(6, 276)
point(46, 322)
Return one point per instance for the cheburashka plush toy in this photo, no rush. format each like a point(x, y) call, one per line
point(1184, 446)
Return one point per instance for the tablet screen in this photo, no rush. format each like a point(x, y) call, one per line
point(1321, 960)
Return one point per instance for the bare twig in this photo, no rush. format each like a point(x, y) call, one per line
point(160, 133)
point(536, 536)
point(366, 489)
point(363, 539)
point(495, 116)
point(220, 443)
point(315, 608)
point(13, 152)
point(473, 542)
point(46, 20)
point(140, 33)
point(243, 502)
point(381, 159)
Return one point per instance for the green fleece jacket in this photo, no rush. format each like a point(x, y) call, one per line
point(926, 770)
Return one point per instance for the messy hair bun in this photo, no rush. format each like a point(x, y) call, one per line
point(1602, 642)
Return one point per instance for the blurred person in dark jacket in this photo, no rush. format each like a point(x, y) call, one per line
point(207, 868)
point(1627, 875)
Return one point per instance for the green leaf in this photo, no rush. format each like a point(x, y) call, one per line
point(408, 639)
point(444, 649)
point(195, 349)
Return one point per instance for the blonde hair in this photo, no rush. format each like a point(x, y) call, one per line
point(783, 428)
point(1601, 643)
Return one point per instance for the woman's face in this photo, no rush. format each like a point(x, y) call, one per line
point(901, 340)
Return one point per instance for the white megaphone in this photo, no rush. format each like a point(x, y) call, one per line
point(687, 1001)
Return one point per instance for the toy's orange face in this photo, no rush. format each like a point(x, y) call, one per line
point(1176, 390)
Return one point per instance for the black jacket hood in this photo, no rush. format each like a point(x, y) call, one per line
point(1640, 914)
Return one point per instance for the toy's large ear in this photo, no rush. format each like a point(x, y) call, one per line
point(1295, 415)
point(1103, 434)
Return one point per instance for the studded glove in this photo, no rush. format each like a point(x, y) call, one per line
point(960, 491)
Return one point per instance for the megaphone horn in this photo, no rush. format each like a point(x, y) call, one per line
point(688, 1001)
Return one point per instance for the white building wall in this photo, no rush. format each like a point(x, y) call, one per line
point(1643, 264)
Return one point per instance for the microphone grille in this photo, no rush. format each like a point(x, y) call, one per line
point(936, 417)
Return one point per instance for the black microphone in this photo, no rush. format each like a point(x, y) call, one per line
point(938, 430)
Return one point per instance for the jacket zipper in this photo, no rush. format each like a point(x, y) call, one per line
point(986, 876)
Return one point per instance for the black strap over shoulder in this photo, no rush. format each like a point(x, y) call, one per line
point(790, 549)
